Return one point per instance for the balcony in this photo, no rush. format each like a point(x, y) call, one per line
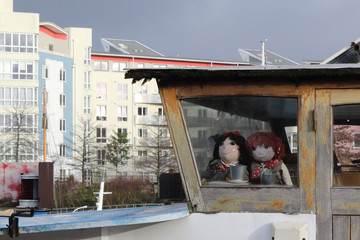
point(165, 142)
point(198, 122)
point(147, 98)
point(152, 120)
point(200, 143)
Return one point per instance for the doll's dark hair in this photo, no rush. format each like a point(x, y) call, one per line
point(240, 141)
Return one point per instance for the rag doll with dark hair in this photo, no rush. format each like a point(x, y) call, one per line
point(230, 149)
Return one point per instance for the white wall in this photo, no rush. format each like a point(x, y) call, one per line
point(197, 226)
point(251, 226)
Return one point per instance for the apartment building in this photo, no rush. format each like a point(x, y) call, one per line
point(19, 85)
point(86, 94)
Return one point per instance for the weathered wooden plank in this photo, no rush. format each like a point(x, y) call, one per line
point(281, 200)
point(231, 88)
point(323, 165)
point(355, 227)
point(306, 152)
point(182, 148)
point(341, 228)
point(345, 200)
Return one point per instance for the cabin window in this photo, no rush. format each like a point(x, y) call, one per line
point(208, 117)
point(346, 146)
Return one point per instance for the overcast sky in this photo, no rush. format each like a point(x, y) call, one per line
point(211, 29)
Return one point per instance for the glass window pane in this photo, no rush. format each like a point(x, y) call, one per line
point(30, 40)
point(8, 39)
point(23, 40)
point(346, 148)
point(2, 39)
point(16, 39)
point(209, 119)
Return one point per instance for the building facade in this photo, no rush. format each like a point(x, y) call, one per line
point(49, 71)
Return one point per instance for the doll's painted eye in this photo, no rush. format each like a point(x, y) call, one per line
point(265, 146)
point(232, 143)
point(254, 148)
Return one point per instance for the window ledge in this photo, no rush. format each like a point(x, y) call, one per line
point(226, 184)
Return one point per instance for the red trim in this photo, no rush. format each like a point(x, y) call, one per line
point(160, 61)
point(52, 33)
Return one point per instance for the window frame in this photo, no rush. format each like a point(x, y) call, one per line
point(101, 135)
point(62, 100)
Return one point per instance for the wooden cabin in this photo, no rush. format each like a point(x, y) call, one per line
point(315, 110)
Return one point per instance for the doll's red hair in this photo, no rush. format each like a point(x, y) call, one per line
point(266, 139)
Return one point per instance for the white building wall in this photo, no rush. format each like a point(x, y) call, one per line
point(54, 88)
point(197, 226)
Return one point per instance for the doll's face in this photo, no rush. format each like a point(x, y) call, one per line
point(229, 151)
point(263, 153)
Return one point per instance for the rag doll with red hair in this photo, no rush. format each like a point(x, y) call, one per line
point(266, 150)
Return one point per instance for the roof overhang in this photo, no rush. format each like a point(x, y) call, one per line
point(252, 73)
point(53, 30)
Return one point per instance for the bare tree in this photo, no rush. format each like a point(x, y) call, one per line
point(84, 144)
point(21, 131)
point(160, 157)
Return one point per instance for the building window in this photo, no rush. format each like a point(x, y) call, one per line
point(18, 42)
point(88, 176)
point(142, 153)
point(26, 97)
point(163, 132)
point(87, 153)
point(62, 125)
point(51, 47)
point(87, 55)
point(202, 113)
point(118, 66)
point(122, 130)
point(101, 155)
point(101, 135)
point(18, 123)
point(87, 80)
point(202, 134)
point(143, 89)
point(159, 66)
point(101, 90)
point(142, 111)
point(163, 153)
point(28, 151)
point(140, 65)
point(18, 69)
point(45, 71)
point(62, 100)
point(87, 128)
point(86, 104)
point(101, 65)
point(122, 113)
point(62, 175)
point(62, 75)
point(122, 92)
point(357, 140)
point(143, 132)
point(62, 150)
point(161, 112)
point(101, 113)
